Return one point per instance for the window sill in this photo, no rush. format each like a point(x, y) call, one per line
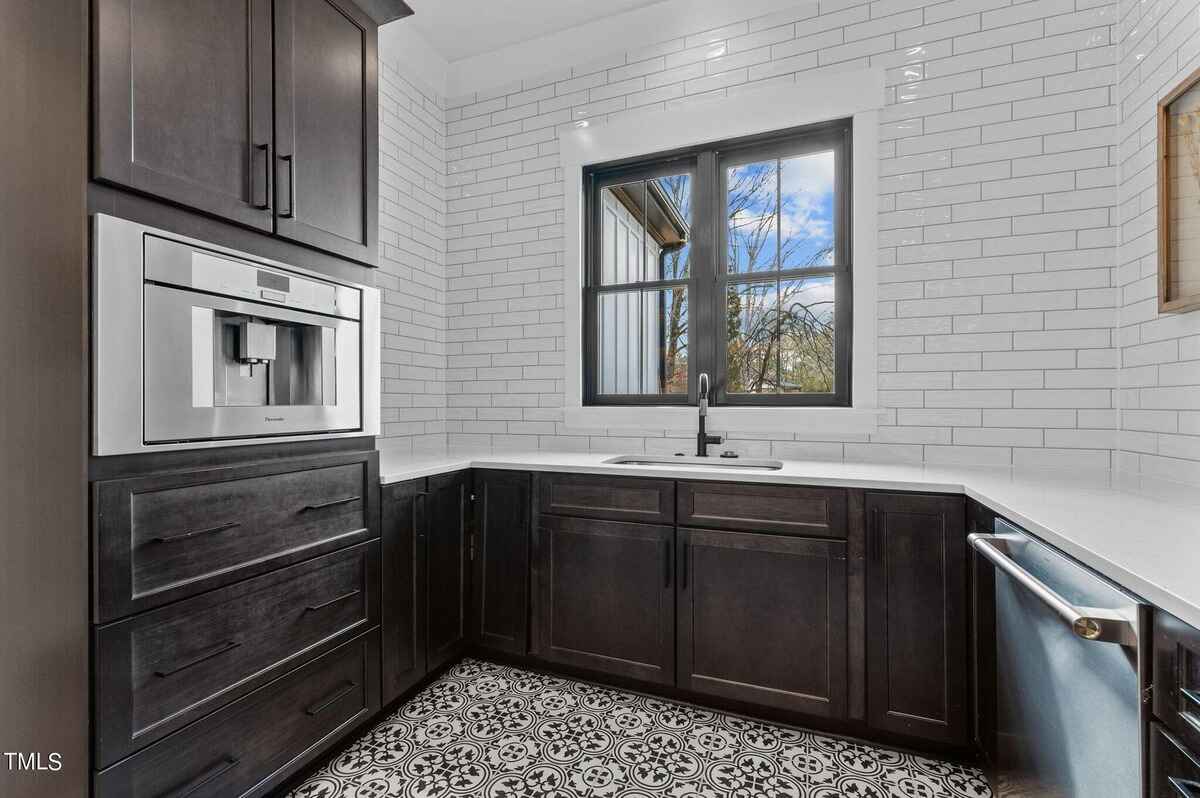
point(821, 420)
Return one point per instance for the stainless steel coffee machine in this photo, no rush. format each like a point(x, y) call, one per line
point(198, 345)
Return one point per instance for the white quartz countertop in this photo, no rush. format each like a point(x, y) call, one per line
point(1142, 533)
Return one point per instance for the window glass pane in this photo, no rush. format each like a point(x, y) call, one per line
point(645, 230)
point(806, 210)
point(642, 340)
point(752, 210)
point(781, 336)
point(670, 231)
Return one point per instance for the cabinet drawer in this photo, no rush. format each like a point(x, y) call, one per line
point(609, 498)
point(809, 512)
point(1174, 770)
point(161, 538)
point(1177, 677)
point(164, 668)
point(252, 745)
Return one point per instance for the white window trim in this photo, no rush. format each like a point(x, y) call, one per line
point(858, 94)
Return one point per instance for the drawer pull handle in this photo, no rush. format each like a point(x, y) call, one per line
point(306, 508)
point(316, 709)
point(228, 645)
point(224, 766)
point(1185, 787)
point(1191, 695)
point(332, 601)
point(195, 533)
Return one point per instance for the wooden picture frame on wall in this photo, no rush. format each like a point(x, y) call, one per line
point(1179, 197)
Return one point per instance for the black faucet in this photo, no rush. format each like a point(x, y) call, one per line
point(703, 439)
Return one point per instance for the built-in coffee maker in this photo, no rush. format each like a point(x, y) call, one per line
point(199, 345)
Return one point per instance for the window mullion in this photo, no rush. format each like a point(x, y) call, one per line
point(705, 268)
point(778, 267)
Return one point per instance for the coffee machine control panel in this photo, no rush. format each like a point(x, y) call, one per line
point(171, 263)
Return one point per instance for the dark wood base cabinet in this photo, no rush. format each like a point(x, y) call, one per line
point(238, 615)
point(917, 630)
point(403, 611)
point(426, 541)
point(500, 576)
point(606, 596)
point(837, 609)
point(251, 746)
point(447, 547)
point(1175, 731)
point(1174, 770)
point(762, 619)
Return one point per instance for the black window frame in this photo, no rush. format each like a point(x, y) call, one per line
point(708, 277)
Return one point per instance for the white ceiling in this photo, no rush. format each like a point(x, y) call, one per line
point(459, 29)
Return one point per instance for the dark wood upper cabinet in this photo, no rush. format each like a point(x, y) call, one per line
point(327, 126)
point(917, 661)
point(606, 596)
point(260, 112)
point(404, 585)
point(182, 102)
point(762, 619)
point(446, 567)
point(500, 585)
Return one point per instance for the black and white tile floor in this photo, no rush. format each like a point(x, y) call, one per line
point(498, 732)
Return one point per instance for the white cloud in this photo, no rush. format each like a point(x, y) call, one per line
point(813, 173)
point(806, 182)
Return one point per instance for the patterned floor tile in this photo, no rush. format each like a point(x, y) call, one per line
point(492, 731)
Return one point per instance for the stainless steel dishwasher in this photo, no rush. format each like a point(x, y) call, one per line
point(1067, 665)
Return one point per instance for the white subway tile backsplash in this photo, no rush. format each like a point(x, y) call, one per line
point(1000, 279)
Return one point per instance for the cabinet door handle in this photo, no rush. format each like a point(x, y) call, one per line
point(320, 707)
point(195, 533)
point(332, 601)
point(213, 771)
point(219, 649)
point(1185, 787)
point(683, 565)
point(306, 508)
point(420, 497)
point(667, 560)
point(875, 539)
point(265, 149)
point(291, 166)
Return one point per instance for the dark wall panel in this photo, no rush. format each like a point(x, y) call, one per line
point(43, 395)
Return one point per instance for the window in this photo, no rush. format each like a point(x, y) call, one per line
point(731, 259)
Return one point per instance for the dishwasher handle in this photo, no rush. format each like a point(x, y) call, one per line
point(1089, 623)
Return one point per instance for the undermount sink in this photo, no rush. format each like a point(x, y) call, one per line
point(694, 462)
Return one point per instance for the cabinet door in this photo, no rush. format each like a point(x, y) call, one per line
point(403, 611)
point(917, 658)
point(182, 103)
point(762, 619)
point(500, 585)
point(606, 596)
point(326, 121)
point(446, 563)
